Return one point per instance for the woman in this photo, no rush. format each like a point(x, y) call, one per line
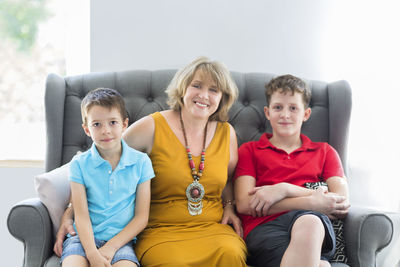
point(194, 153)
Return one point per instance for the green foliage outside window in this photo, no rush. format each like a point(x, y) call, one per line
point(19, 21)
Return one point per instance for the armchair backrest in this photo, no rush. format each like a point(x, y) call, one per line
point(143, 92)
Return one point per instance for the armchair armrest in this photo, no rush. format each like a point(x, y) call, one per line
point(367, 232)
point(29, 222)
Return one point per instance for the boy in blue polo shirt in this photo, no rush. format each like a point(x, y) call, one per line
point(110, 188)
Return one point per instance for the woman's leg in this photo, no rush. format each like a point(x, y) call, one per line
point(307, 237)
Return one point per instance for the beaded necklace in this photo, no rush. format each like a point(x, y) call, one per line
point(195, 191)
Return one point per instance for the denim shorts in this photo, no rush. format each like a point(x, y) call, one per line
point(72, 246)
point(267, 242)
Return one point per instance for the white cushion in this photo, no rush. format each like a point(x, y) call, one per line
point(54, 191)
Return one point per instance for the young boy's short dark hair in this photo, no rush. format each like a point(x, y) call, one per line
point(288, 83)
point(104, 97)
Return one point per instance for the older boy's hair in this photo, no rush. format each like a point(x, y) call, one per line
point(288, 83)
point(104, 97)
point(217, 71)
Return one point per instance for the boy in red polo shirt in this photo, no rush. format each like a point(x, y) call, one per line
point(284, 223)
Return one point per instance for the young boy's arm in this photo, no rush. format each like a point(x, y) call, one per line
point(84, 226)
point(135, 226)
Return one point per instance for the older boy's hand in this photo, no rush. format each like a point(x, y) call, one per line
point(263, 197)
point(331, 204)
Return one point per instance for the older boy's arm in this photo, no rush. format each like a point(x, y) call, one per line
point(319, 200)
point(339, 186)
point(135, 226)
point(84, 226)
point(263, 200)
point(266, 200)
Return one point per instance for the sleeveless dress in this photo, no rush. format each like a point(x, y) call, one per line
point(173, 237)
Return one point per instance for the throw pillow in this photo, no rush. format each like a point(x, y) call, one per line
point(340, 253)
point(54, 192)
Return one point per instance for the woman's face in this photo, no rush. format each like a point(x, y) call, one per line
point(202, 96)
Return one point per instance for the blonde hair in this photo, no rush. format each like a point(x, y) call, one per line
point(217, 72)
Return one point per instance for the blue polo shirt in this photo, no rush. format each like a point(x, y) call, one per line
point(111, 194)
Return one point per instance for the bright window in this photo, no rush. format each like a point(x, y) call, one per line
point(37, 38)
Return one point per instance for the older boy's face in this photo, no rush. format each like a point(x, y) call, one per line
point(286, 114)
point(105, 126)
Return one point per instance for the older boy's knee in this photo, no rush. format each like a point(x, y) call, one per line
point(308, 226)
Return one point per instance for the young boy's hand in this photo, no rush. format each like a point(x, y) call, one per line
point(263, 197)
point(107, 252)
point(97, 260)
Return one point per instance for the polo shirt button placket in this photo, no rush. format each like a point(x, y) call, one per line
point(111, 182)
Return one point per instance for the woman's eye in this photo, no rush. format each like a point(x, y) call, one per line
point(214, 90)
point(196, 85)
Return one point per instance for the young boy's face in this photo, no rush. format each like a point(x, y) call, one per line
point(286, 113)
point(105, 126)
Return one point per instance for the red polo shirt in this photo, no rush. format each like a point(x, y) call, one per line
point(270, 165)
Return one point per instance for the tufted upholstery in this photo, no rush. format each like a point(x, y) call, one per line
point(143, 92)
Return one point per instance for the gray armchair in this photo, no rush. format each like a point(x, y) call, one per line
point(369, 234)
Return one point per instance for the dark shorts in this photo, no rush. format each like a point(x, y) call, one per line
point(268, 242)
point(73, 246)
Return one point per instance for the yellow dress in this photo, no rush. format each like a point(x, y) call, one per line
point(173, 237)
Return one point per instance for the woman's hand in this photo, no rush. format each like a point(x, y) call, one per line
point(66, 227)
point(230, 217)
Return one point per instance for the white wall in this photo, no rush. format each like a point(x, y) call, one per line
point(279, 36)
point(323, 40)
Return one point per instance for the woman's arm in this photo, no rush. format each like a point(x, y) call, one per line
point(135, 226)
point(66, 227)
point(229, 216)
point(140, 135)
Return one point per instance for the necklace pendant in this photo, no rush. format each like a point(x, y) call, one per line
point(195, 193)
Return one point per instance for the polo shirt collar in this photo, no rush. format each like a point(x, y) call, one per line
point(126, 159)
point(306, 143)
